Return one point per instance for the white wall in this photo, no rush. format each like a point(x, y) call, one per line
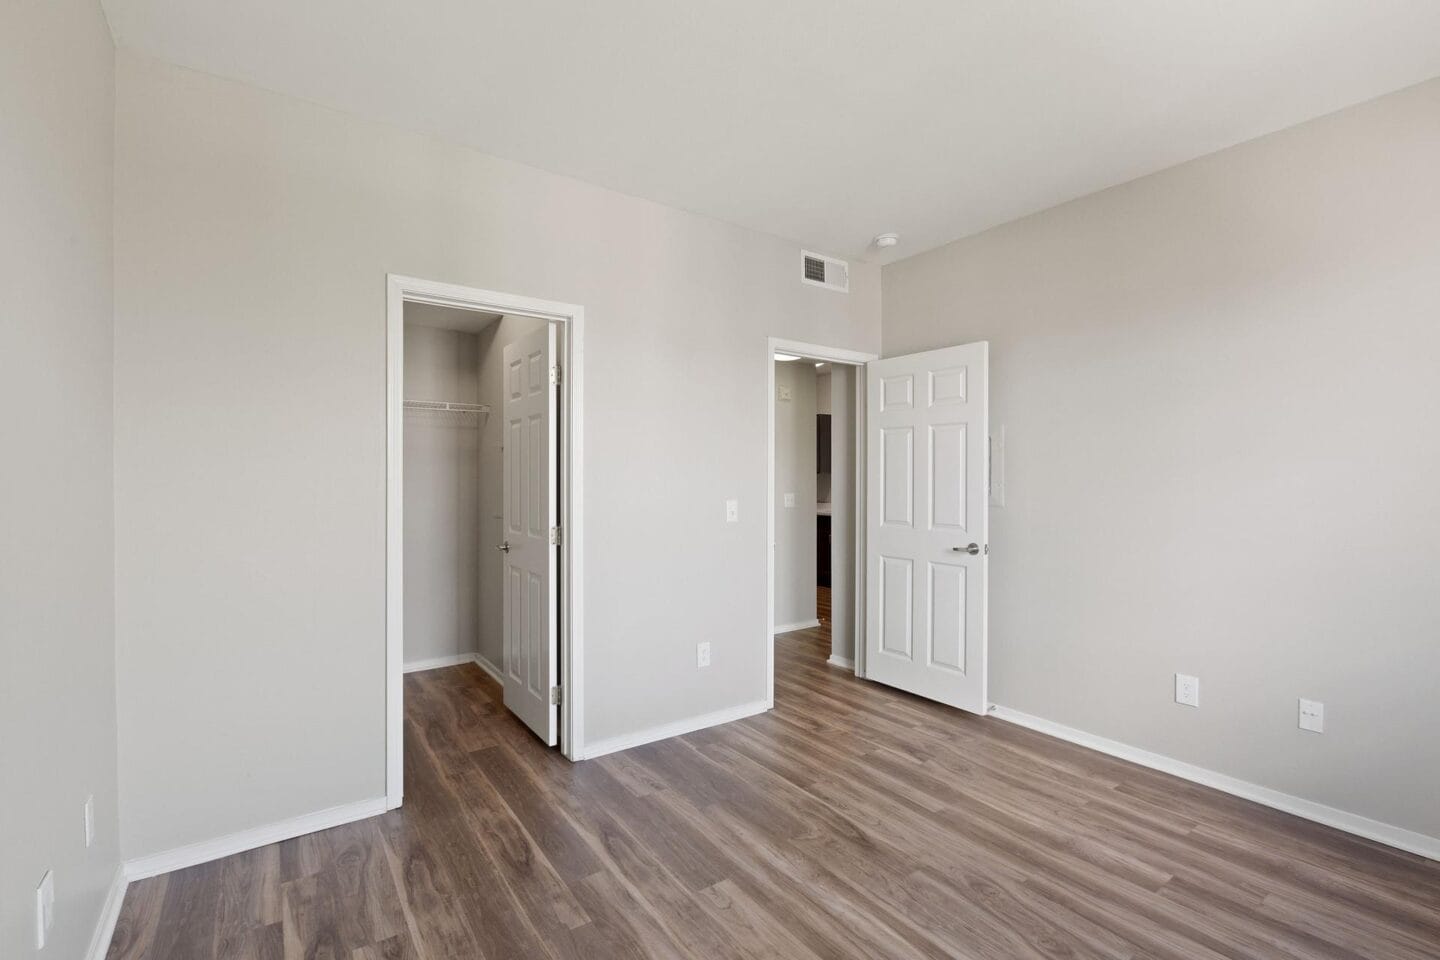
point(1219, 390)
point(253, 235)
point(493, 340)
point(795, 558)
point(442, 495)
point(57, 684)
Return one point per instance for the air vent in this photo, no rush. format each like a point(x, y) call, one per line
point(827, 272)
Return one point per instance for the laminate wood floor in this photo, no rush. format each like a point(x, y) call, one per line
point(852, 821)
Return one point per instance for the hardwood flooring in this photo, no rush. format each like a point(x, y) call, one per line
point(852, 821)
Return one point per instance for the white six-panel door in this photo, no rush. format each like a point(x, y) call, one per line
point(530, 516)
point(927, 524)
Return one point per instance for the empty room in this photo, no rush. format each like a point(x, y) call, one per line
point(799, 479)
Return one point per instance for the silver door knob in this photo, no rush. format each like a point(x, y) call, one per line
point(973, 549)
point(503, 547)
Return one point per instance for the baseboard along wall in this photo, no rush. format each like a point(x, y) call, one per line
point(1353, 823)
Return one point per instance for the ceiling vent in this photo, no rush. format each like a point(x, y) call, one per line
point(824, 272)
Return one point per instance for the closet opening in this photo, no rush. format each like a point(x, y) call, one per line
point(483, 513)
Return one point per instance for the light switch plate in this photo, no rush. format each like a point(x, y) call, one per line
point(702, 654)
point(732, 511)
point(783, 393)
point(1187, 690)
point(997, 467)
point(44, 908)
point(789, 499)
point(1312, 715)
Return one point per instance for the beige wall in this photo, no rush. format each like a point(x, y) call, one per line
point(442, 495)
point(250, 434)
point(57, 685)
point(795, 473)
point(1220, 395)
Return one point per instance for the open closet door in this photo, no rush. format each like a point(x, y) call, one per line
point(927, 523)
point(531, 533)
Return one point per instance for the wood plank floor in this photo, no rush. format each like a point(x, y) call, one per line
point(852, 821)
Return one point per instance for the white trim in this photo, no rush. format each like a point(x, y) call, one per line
point(844, 663)
point(801, 625)
point(455, 660)
point(206, 850)
point(667, 730)
point(862, 568)
point(435, 663)
point(1392, 836)
point(109, 916)
point(399, 291)
point(484, 664)
point(813, 351)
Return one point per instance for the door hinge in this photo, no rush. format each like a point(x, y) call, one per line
point(556, 695)
point(555, 536)
point(555, 375)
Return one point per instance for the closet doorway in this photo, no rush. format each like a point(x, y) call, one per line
point(482, 500)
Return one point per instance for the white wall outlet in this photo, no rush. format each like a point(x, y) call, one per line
point(789, 499)
point(702, 654)
point(1187, 690)
point(732, 511)
point(90, 821)
point(44, 909)
point(1312, 715)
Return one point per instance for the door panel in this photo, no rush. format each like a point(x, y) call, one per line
point(530, 498)
point(926, 505)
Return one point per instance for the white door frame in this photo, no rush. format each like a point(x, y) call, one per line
point(850, 358)
point(400, 290)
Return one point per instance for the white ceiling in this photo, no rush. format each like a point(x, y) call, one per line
point(448, 318)
point(824, 121)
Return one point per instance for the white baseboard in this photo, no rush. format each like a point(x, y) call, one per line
point(1392, 836)
point(435, 663)
point(207, 850)
point(490, 668)
point(109, 916)
point(668, 730)
point(802, 625)
point(845, 663)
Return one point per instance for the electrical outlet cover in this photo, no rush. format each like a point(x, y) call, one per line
point(1312, 716)
point(1187, 690)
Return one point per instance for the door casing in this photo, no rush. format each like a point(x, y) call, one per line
point(400, 290)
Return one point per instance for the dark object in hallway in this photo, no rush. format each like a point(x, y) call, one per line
point(822, 550)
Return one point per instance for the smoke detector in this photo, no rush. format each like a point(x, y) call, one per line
point(886, 240)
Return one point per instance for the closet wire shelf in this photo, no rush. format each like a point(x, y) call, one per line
point(443, 411)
